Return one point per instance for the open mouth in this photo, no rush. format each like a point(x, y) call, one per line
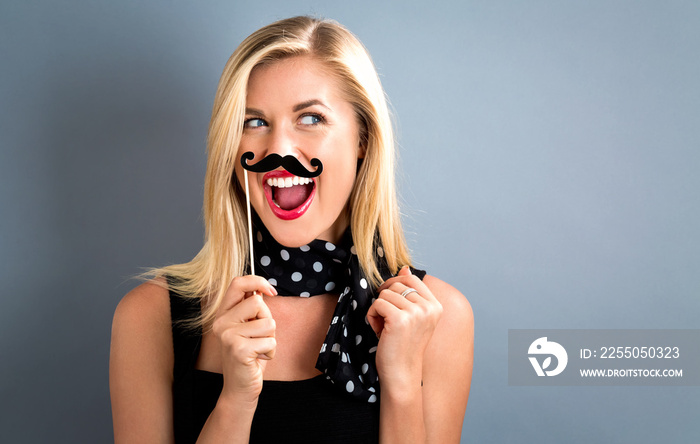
point(289, 196)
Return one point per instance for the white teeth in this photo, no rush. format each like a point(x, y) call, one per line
point(287, 182)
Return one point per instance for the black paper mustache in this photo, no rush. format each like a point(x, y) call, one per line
point(274, 161)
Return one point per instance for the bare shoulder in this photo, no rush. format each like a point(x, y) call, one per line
point(141, 366)
point(447, 364)
point(142, 327)
point(145, 309)
point(151, 297)
point(456, 307)
point(453, 339)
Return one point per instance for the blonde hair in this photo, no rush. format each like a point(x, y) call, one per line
point(375, 218)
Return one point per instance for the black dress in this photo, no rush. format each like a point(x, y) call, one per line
point(307, 411)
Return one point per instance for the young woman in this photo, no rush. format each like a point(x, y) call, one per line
point(372, 351)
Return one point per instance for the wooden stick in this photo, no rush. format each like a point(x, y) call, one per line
point(250, 224)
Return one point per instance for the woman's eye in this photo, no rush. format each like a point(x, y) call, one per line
point(310, 119)
point(254, 123)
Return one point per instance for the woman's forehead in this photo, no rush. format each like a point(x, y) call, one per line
point(293, 80)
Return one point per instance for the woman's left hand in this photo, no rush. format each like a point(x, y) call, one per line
point(404, 321)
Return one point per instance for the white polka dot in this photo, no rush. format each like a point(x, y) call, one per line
point(272, 282)
point(363, 283)
point(354, 305)
point(345, 332)
point(372, 398)
point(380, 251)
point(304, 248)
point(371, 389)
point(265, 261)
point(349, 386)
point(284, 254)
point(330, 246)
point(365, 367)
point(337, 260)
point(335, 348)
point(353, 250)
point(323, 348)
point(296, 276)
point(334, 320)
point(318, 266)
point(344, 357)
point(259, 236)
point(358, 339)
point(305, 294)
point(360, 378)
point(373, 349)
point(329, 286)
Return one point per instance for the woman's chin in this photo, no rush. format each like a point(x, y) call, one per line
point(301, 231)
point(291, 234)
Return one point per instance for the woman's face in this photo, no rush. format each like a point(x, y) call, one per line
point(295, 107)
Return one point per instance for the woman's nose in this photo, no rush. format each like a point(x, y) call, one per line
point(281, 141)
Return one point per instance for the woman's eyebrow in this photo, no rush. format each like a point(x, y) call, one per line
point(309, 103)
point(254, 112)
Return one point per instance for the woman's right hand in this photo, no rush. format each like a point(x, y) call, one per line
point(245, 330)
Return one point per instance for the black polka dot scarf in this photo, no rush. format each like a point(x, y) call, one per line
point(347, 356)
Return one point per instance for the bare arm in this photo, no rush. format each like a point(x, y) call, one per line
point(246, 332)
point(142, 360)
point(447, 367)
point(141, 367)
point(425, 364)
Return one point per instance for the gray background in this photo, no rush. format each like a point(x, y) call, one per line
point(550, 154)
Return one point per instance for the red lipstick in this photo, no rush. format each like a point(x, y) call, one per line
point(281, 213)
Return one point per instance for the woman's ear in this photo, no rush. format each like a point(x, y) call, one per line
point(362, 149)
point(362, 144)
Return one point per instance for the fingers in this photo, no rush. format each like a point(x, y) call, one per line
point(396, 304)
point(264, 347)
point(257, 328)
point(404, 271)
point(248, 349)
point(252, 307)
point(404, 280)
point(244, 313)
point(405, 296)
point(247, 331)
point(375, 316)
point(244, 286)
point(392, 308)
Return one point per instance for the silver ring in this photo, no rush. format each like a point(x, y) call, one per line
point(408, 291)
